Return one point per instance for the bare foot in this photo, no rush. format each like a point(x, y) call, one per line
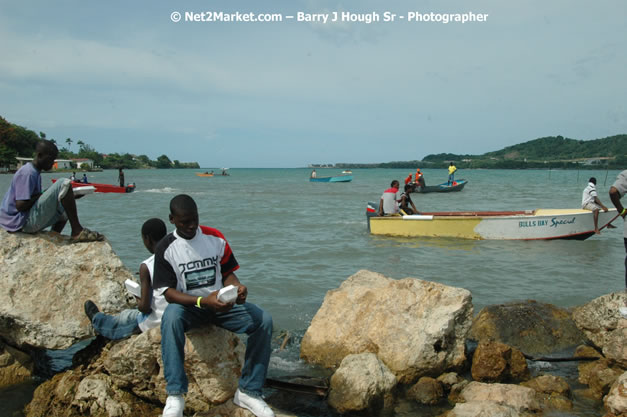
point(597, 232)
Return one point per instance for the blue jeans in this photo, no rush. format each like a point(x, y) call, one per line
point(242, 318)
point(451, 178)
point(117, 326)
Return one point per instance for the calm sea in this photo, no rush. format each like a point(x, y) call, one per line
point(295, 240)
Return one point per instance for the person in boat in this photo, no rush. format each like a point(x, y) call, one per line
point(192, 296)
point(150, 306)
point(451, 173)
point(313, 174)
point(618, 191)
point(407, 205)
point(121, 177)
point(590, 201)
point(388, 204)
point(409, 178)
point(73, 176)
point(25, 208)
point(420, 181)
point(84, 179)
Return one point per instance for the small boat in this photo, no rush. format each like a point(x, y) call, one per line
point(336, 178)
point(443, 188)
point(104, 188)
point(348, 171)
point(204, 174)
point(540, 224)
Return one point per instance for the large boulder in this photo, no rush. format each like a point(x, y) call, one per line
point(415, 327)
point(601, 322)
point(616, 401)
point(44, 282)
point(532, 327)
point(126, 379)
point(361, 383)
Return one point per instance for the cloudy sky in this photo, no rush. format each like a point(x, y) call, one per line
point(123, 77)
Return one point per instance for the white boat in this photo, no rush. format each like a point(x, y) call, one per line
point(540, 224)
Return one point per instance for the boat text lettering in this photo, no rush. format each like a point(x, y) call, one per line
point(533, 223)
point(555, 223)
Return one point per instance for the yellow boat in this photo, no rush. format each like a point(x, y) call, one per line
point(204, 174)
point(540, 224)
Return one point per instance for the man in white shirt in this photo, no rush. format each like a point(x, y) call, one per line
point(590, 201)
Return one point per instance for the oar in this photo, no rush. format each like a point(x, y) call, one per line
point(610, 222)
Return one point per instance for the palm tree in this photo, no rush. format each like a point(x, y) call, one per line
point(69, 143)
point(80, 144)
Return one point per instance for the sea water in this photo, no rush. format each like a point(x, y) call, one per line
point(295, 240)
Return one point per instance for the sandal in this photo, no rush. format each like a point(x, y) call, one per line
point(87, 235)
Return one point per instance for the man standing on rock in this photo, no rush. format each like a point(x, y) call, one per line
point(617, 191)
point(191, 265)
point(26, 209)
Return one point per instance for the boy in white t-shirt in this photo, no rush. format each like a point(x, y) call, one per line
point(191, 265)
point(150, 306)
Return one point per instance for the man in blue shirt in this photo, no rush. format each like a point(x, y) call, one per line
point(26, 209)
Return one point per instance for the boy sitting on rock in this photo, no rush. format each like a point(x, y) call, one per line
point(191, 265)
point(150, 306)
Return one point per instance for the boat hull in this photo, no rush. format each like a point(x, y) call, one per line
point(337, 178)
point(105, 188)
point(442, 188)
point(541, 224)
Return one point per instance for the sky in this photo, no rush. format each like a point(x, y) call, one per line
point(125, 77)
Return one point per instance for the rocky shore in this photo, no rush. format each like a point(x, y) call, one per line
point(385, 342)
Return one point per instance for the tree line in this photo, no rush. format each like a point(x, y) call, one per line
point(18, 141)
point(542, 153)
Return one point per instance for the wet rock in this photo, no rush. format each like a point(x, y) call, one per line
point(427, 391)
point(599, 375)
point(44, 282)
point(498, 362)
point(532, 327)
point(15, 366)
point(601, 322)
point(553, 391)
point(415, 327)
point(586, 368)
point(361, 383)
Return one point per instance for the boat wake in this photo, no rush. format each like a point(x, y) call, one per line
point(165, 190)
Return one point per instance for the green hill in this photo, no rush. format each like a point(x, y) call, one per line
point(547, 152)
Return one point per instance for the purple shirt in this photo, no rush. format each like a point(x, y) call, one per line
point(25, 183)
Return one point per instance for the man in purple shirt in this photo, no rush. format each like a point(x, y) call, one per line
point(25, 208)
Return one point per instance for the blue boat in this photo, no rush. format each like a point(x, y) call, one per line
point(443, 188)
point(336, 178)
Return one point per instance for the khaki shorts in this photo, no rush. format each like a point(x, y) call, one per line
point(47, 210)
